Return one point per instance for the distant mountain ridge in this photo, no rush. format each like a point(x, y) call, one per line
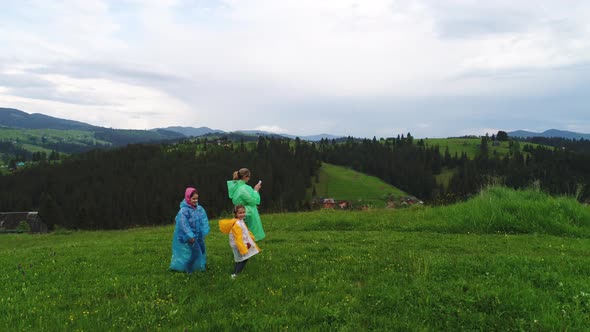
point(191, 131)
point(93, 136)
point(13, 118)
point(549, 133)
point(202, 131)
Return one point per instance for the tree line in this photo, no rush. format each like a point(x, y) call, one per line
point(558, 171)
point(412, 167)
point(409, 167)
point(144, 184)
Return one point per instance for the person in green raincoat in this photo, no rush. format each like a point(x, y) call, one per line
point(242, 194)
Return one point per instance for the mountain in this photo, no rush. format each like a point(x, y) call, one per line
point(13, 118)
point(206, 131)
point(549, 133)
point(22, 134)
point(191, 131)
point(315, 138)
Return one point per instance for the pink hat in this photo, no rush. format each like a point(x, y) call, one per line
point(188, 192)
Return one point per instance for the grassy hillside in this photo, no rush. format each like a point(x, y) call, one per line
point(46, 140)
point(344, 183)
point(74, 141)
point(39, 136)
point(461, 267)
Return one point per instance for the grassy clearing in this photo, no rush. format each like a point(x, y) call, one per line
point(344, 183)
point(445, 176)
point(468, 145)
point(410, 269)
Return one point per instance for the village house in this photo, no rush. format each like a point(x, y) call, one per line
point(344, 204)
point(328, 203)
point(10, 222)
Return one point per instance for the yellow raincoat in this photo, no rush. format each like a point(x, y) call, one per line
point(239, 235)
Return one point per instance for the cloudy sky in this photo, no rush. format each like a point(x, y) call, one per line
point(367, 68)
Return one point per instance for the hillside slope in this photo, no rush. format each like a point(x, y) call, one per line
point(326, 270)
point(13, 118)
point(343, 183)
point(22, 134)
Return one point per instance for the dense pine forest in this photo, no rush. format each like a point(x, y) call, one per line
point(412, 167)
point(557, 171)
point(577, 145)
point(144, 184)
point(408, 166)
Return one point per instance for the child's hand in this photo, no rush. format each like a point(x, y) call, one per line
point(248, 245)
point(191, 240)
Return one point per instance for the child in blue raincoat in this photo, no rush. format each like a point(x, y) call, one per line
point(188, 243)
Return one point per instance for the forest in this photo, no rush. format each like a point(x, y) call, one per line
point(412, 167)
point(142, 184)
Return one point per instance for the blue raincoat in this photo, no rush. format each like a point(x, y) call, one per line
point(191, 222)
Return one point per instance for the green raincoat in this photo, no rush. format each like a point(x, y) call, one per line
point(241, 193)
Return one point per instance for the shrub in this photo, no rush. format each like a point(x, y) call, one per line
point(23, 227)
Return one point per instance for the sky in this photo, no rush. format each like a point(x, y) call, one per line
point(367, 68)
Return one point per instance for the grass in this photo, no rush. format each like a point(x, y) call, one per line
point(343, 183)
point(411, 269)
point(445, 176)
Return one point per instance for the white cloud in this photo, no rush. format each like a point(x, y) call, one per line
point(368, 64)
point(271, 128)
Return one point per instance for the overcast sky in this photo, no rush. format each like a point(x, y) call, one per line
point(363, 68)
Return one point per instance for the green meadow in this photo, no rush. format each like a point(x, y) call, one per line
point(505, 260)
point(343, 183)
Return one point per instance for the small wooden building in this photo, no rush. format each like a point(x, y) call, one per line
point(328, 203)
point(10, 221)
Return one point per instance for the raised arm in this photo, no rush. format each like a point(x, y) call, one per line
point(249, 196)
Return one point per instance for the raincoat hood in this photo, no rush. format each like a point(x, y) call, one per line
point(188, 193)
point(232, 186)
point(184, 204)
point(225, 225)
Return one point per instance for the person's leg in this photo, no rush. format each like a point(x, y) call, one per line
point(240, 266)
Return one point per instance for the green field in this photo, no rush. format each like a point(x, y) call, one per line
point(343, 183)
point(505, 260)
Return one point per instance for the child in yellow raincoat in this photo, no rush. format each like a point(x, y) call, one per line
point(241, 239)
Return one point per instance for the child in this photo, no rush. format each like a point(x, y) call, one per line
point(188, 242)
point(240, 239)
